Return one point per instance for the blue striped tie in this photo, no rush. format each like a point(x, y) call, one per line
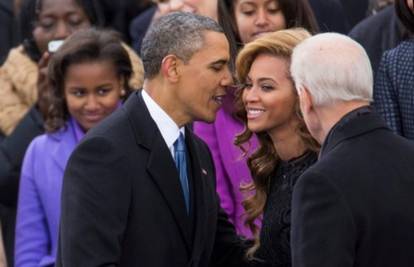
point(181, 164)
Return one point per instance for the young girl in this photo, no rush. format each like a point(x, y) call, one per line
point(89, 78)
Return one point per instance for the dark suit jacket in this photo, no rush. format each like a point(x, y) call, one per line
point(122, 203)
point(354, 206)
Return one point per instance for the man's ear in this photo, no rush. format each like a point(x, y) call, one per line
point(306, 101)
point(169, 68)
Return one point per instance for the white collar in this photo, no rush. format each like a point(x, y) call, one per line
point(168, 128)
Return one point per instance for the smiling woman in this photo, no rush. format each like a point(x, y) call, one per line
point(89, 77)
point(268, 105)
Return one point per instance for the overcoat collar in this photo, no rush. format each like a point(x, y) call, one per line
point(353, 124)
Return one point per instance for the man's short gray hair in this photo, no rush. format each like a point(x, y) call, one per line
point(332, 67)
point(178, 33)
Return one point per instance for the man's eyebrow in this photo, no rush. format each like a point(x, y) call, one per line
point(220, 61)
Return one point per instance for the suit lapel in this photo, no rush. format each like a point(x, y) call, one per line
point(199, 176)
point(160, 164)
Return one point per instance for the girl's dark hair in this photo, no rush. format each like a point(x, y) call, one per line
point(28, 17)
point(405, 14)
point(298, 13)
point(83, 46)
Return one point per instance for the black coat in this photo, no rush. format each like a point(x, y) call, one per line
point(12, 150)
point(8, 29)
point(354, 207)
point(122, 203)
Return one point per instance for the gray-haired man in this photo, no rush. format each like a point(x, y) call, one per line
point(354, 206)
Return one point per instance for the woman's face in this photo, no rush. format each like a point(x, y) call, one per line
point(255, 17)
point(269, 96)
point(92, 92)
point(57, 20)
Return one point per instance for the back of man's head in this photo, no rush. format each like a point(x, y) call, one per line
point(332, 67)
point(178, 33)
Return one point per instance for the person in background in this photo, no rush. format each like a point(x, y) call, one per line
point(352, 208)
point(355, 10)
point(43, 21)
point(330, 15)
point(379, 33)
point(245, 20)
point(89, 78)
point(394, 83)
point(22, 79)
point(119, 14)
point(269, 107)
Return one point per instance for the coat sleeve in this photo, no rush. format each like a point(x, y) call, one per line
point(32, 242)
point(95, 201)
point(386, 95)
point(323, 231)
point(12, 106)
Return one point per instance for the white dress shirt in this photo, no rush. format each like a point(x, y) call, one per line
point(168, 128)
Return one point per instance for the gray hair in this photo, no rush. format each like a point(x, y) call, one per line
point(178, 33)
point(332, 67)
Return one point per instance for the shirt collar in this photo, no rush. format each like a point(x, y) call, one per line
point(168, 128)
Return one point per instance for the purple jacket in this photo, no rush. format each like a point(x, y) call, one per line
point(231, 166)
point(38, 210)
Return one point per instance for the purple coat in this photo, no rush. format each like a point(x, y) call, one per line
point(38, 210)
point(231, 166)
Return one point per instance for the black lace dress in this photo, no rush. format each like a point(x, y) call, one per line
point(275, 233)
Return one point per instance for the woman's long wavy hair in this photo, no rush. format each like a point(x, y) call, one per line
point(264, 161)
point(83, 46)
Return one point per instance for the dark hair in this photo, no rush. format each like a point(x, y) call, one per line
point(405, 14)
point(298, 13)
point(28, 17)
point(178, 33)
point(83, 46)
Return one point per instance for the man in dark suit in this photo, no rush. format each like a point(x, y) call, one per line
point(128, 199)
point(354, 206)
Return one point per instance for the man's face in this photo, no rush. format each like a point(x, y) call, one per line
point(203, 79)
